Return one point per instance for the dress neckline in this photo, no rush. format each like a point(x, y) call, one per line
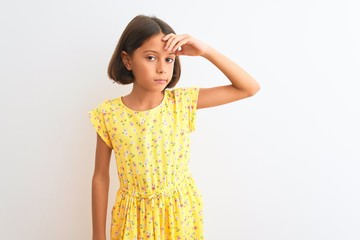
point(144, 111)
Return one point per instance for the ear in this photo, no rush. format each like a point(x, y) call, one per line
point(126, 60)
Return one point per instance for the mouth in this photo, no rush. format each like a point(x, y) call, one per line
point(161, 81)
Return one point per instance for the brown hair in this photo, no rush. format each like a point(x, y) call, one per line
point(136, 32)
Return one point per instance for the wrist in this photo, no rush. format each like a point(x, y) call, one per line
point(99, 238)
point(208, 53)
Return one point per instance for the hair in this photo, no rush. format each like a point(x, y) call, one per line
point(135, 34)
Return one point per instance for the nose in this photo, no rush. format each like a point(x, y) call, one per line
point(161, 68)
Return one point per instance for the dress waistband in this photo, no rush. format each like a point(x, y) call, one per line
point(160, 194)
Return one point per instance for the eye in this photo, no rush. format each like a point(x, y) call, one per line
point(151, 58)
point(169, 60)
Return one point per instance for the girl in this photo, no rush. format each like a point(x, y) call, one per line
point(149, 129)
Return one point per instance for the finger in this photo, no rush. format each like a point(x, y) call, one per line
point(171, 41)
point(180, 43)
point(167, 36)
point(179, 52)
point(175, 42)
point(167, 40)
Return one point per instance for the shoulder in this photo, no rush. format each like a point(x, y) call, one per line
point(183, 91)
point(108, 105)
point(184, 97)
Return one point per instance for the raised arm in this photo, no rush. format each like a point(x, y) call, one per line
point(242, 84)
point(100, 189)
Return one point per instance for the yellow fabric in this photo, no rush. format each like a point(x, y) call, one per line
point(158, 198)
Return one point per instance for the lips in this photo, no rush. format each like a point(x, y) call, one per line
point(160, 80)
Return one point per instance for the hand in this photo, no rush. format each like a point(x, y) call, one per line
point(184, 44)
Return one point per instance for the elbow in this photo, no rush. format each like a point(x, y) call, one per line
point(253, 90)
point(101, 177)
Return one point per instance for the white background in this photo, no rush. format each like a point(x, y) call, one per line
point(283, 164)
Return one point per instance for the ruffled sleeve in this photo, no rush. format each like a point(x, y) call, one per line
point(100, 119)
point(191, 97)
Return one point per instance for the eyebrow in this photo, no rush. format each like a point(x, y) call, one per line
point(170, 53)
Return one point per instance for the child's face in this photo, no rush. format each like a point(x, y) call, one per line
point(152, 65)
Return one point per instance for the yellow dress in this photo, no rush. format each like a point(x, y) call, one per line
point(157, 198)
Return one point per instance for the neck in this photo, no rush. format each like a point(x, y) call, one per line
point(141, 99)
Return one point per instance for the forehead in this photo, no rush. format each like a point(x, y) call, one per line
point(154, 43)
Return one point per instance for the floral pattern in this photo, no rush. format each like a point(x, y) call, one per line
point(158, 198)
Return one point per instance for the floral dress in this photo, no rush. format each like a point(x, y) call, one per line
point(157, 198)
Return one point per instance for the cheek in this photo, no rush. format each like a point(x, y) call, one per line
point(142, 68)
point(171, 68)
